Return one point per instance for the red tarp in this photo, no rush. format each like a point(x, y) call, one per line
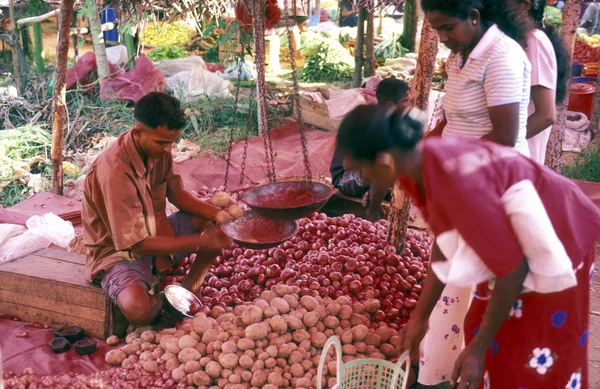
point(24, 345)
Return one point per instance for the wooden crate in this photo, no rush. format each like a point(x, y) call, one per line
point(49, 287)
point(317, 115)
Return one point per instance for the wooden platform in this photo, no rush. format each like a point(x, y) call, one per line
point(49, 287)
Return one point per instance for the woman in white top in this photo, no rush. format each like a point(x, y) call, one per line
point(487, 95)
point(549, 71)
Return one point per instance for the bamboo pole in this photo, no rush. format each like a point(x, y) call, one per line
point(59, 107)
point(259, 58)
point(358, 49)
point(370, 45)
point(39, 48)
point(419, 97)
point(411, 20)
point(15, 51)
point(568, 34)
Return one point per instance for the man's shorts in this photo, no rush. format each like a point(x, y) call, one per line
point(140, 272)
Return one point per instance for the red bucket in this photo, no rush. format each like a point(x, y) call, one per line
point(581, 98)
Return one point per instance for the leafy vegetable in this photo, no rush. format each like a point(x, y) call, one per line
point(166, 52)
point(390, 47)
point(326, 60)
point(554, 16)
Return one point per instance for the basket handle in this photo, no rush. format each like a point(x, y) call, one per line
point(335, 342)
point(404, 359)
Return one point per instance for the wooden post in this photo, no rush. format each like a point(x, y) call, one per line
point(39, 48)
point(370, 45)
point(380, 27)
point(75, 48)
point(419, 97)
point(59, 106)
point(358, 49)
point(568, 34)
point(15, 52)
point(411, 20)
point(258, 28)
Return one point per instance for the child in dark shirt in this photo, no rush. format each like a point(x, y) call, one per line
point(390, 92)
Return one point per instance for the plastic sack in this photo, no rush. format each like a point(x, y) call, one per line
point(190, 85)
point(134, 84)
point(341, 103)
point(9, 231)
point(170, 67)
point(117, 55)
point(41, 232)
point(577, 135)
point(82, 72)
point(246, 68)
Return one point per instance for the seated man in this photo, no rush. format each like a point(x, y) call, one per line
point(129, 239)
point(391, 92)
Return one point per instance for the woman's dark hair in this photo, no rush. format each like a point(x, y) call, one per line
point(509, 20)
point(370, 129)
point(563, 60)
point(391, 90)
point(159, 109)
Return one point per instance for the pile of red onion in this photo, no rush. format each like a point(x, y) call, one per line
point(329, 257)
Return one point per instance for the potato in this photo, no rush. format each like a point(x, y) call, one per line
point(217, 311)
point(297, 370)
point(258, 365)
point(358, 319)
point(187, 341)
point(388, 350)
point(172, 364)
point(291, 300)
point(130, 349)
point(246, 362)
point(246, 376)
point(229, 347)
point(252, 315)
point(112, 340)
point(201, 325)
point(361, 347)
point(310, 319)
point(228, 361)
point(115, 357)
point(318, 340)
point(348, 349)
point(210, 336)
point(309, 303)
point(281, 305)
point(331, 322)
point(276, 379)
point(259, 378)
point(150, 366)
point(213, 369)
point(167, 356)
point(270, 312)
point(295, 357)
point(278, 325)
point(189, 354)
point(268, 295)
point(360, 332)
point(262, 304)
point(358, 307)
point(333, 309)
point(146, 355)
point(192, 367)
point(300, 335)
point(257, 331)
point(322, 311)
point(245, 344)
point(235, 211)
point(201, 378)
point(347, 337)
point(270, 363)
point(384, 332)
point(372, 305)
point(345, 312)
point(131, 337)
point(294, 323)
point(373, 340)
point(221, 200)
point(148, 336)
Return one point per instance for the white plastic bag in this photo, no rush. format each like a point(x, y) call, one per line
point(199, 82)
point(170, 67)
point(117, 55)
point(246, 68)
point(41, 232)
point(9, 231)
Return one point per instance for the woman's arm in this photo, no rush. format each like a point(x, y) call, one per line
point(505, 124)
point(545, 110)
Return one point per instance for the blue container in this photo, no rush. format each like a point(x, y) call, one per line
point(577, 68)
point(584, 80)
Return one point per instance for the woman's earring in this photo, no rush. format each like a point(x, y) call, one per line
point(474, 22)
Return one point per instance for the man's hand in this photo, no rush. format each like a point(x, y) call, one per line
point(223, 217)
point(469, 367)
point(217, 240)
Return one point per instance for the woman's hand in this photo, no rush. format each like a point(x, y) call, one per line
point(411, 336)
point(469, 368)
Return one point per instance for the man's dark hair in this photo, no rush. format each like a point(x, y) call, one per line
point(391, 90)
point(159, 109)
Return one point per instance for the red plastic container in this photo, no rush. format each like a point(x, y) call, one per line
point(581, 98)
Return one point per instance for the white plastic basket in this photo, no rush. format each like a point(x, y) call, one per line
point(369, 373)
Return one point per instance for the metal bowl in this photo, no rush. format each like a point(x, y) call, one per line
point(256, 232)
point(178, 301)
point(288, 200)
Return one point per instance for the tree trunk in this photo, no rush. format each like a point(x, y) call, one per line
point(568, 34)
point(259, 58)
point(98, 40)
point(419, 96)
point(59, 107)
point(358, 48)
point(411, 16)
point(318, 9)
point(370, 46)
point(14, 32)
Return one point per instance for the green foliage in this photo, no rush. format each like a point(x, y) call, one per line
point(165, 34)
point(586, 167)
point(554, 16)
point(166, 52)
point(326, 60)
point(391, 47)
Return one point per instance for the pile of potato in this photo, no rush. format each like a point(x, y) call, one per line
point(274, 342)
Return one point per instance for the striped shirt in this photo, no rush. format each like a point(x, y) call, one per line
point(496, 73)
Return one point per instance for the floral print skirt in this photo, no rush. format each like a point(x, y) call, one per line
point(543, 343)
point(445, 337)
